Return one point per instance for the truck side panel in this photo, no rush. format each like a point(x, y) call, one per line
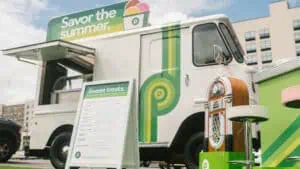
point(117, 57)
point(47, 120)
point(162, 106)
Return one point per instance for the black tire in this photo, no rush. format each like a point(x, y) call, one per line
point(145, 164)
point(191, 150)
point(6, 150)
point(57, 157)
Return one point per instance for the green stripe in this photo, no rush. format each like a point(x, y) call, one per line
point(281, 139)
point(170, 87)
point(291, 163)
point(165, 50)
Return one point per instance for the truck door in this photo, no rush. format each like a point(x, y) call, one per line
point(199, 67)
point(160, 84)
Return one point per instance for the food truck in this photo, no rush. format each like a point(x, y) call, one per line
point(173, 65)
point(228, 145)
point(280, 147)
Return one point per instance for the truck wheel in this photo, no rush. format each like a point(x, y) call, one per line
point(191, 151)
point(6, 150)
point(59, 150)
point(145, 163)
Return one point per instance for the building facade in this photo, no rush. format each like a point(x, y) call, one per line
point(1, 109)
point(20, 113)
point(28, 116)
point(268, 40)
point(14, 112)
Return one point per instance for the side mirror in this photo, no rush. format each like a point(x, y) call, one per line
point(218, 54)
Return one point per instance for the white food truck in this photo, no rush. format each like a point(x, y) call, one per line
point(173, 66)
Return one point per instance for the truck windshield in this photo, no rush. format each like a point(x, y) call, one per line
point(232, 43)
point(207, 41)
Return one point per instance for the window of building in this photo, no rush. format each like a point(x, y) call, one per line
point(251, 47)
point(264, 33)
point(250, 35)
point(297, 24)
point(252, 59)
point(265, 44)
point(297, 37)
point(298, 50)
point(266, 57)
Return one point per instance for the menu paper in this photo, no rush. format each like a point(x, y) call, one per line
point(101, 125)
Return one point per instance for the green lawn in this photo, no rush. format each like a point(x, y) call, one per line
point(3, 167)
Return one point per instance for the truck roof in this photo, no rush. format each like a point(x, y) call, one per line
point(76, 44)
point(144, 30)
point(277, 70)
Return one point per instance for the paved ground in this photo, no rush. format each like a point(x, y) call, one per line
point(18, 160)
point(29, 163)
point(38, 163)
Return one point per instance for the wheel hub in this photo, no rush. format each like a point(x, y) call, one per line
point(64, 152)
point(4, 150)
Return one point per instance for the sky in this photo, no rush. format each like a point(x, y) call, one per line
point(25, 22)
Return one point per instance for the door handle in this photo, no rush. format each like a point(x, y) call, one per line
point(187, 80)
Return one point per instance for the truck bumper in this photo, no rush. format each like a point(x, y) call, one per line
point(36, 153)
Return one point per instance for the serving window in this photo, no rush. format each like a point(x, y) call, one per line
point(64, 66)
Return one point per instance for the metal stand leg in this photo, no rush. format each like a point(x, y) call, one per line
point(294, 158)
point(248, 144)
point(251, 114)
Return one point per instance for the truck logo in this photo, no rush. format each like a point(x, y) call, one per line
point(78, 154)
point(205, 164)
point(135, 21)
point(160, 93)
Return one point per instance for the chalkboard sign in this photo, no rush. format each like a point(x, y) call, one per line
point(105, 128)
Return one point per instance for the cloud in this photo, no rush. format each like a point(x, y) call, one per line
point(163, 11)
point(17, 79)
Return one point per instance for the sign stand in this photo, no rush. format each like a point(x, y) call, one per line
point(105, 128)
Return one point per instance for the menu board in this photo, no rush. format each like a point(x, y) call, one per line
point(101, 125)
